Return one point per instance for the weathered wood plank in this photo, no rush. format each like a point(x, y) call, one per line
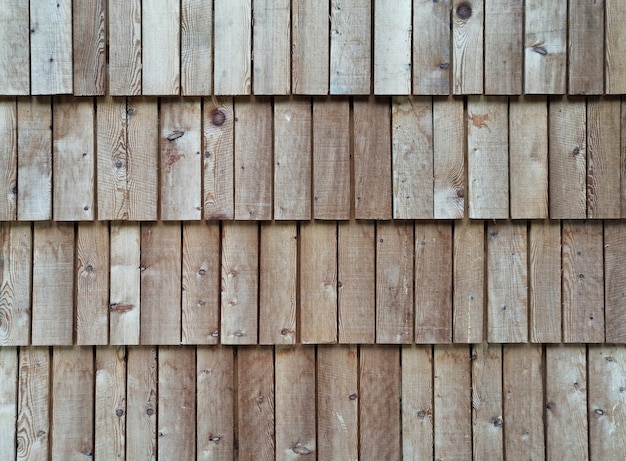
point(8, 159)
point(232, 47)
point(160, 47)
point(310, 55)
point(504, 24)
point(89, 40)
point(14, 31)
point(125, 68)
point(615, 47)
point(585, 51)
point(196, 47)
point(271, 42)
point(392, 47)
point(623, 158)
point(467, 46)
point(8, 401)
point(141, 392)
point(615, 281)
point(431, 47)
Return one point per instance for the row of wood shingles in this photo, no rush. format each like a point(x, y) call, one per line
point(339, 402)
point(168, 47)
point(280, 283)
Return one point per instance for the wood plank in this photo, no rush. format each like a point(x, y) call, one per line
point(92, 283)
point(356, 282)
point(34, 158)
point(292, 158)
point(295, 402)
point(72, 436)
point(8, 401)
point(215, 388)
point(177, 403)
point(196, 47)
point(253, 159)
point(14, 31)
point(623, 158)
point(201, 283)
point(615, 47)
point(255, 404)
point(337, 416)
point(504, 24)
point(53, 284)
point(488, 157)
point(583, 288)
point(412, 157)
point(394, 282)
point(141, 392)
point(8, 159)
point(392, 47)
point(110, 403)
point(240, 264)
point(160, 47)
point(433, 282)
point(232, 40)
point(350, 46)
point(33, 421)
point(566, 403)
point(528, 157)
point(431, 47)
point(448, 158)
point(318, 282)
point(545, 42)
point(615, 281)
point(310, 55)
point(467, 46)
point(51, 47)
point(585, 52)
point(544, 290)
point(181, 173)
point(331, 158)
point(73, 159)
point(468, 274)
point(125, 282)
point(16, 246)
point(372, 151)
point(160, 283)
point(124, 37)
point(278, 283)
point(218, 176)
point(603, 159)
point(89, 30)
point(271, 42)
point(607, 432)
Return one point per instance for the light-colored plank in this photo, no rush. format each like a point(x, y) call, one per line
point(467, 46)
point(160, 283)
point(53, 284)
point(295, 405)
point(337, 402)
point(392, 47)
point(522, 394)
point(278, 282)
point(34, 158)
point(15, 71)
point(350, 46)
point(310, 55)
point(567, 158)
point(196, 52)
point(181, 162)
point(8, 159)
point(356, 282)
point(255, 404)
point(394, 282)
point(253, 158)
point(292, 158)
point(566, 403)
point(615, 47)
point(124, 281)
point(583, 287)
point(615, 281)
point(240, 263)
point(448, 158)
point(232, 43)
point(218, 177)
point(488, 157)
point(271, 42)
point(412, 157)
point(504, 24)
point(545, 43)
point(8, 402)
point(141, 394)
point(160, 47)
point(331, 158)
point(110, 403)
point(201, 283)
point(544, 276)
point(623, 158)
point(372, 153)
point(51, 47)
point(585, 51)
point(89, 30)
point(72, 392)
point(431, 47)
point(487, 422)
point(92, 283)
point(528, 157)
point(318, 282)
point(73, 162)
point(124, 22)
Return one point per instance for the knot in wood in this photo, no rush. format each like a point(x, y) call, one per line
point(464, 10)
point(218, 117)
point(301, 450)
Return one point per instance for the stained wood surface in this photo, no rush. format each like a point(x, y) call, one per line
point(467, 46)
point(271, 42)
point(431, 48)
point(310, 58)
point(89, 53)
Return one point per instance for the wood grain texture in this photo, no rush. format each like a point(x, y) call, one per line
point(196, 47)
point(615, 47)
point(232, 37)
point(392, 47)
point(614, 281)
point(585, 50)
point(160, 47)
point(8, 159)
point(467, 46)
point(8, 401)
point(89, 53)
point(504, 24)
point(431, 47)
point(271, 42)
point(125, 66)
point(141, 394)
point(15, 72)
point(310, 55)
